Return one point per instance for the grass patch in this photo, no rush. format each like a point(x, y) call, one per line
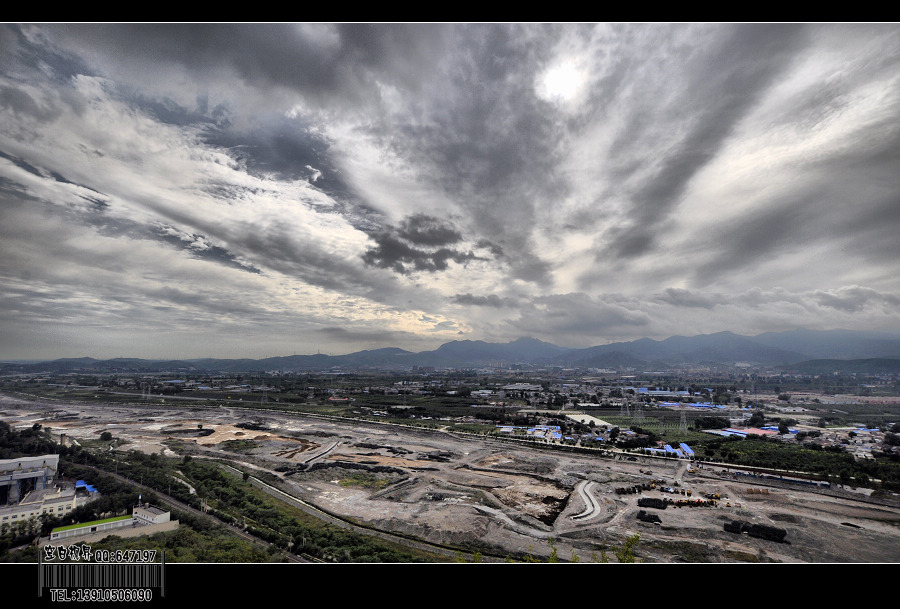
point(366, 480)
point(88, 524)
point(239, 446)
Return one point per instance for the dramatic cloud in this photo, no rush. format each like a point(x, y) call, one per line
point(181, 190)
point(401, 249)
point(491, 300)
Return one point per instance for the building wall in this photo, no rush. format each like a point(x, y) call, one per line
point(88, 529)
point(151, 516)
point(124, 533)
point(53, 505)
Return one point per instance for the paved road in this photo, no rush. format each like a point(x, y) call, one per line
point(591, 506)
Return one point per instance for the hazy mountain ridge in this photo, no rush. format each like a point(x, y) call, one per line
point(878, 365)
point(723, 347)
point(769, 349)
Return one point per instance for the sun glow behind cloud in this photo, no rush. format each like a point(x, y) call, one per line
point(561, 83)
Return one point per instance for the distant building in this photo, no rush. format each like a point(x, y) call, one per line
point(522, 387)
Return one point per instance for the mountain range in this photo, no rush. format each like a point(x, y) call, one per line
point(796, 349)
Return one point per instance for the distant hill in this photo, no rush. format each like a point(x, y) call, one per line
point(877, 365)
point(784, 349)
point(837, 344)
point(471, 353)
point(720, 348)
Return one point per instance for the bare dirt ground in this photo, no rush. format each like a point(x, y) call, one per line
point(504, 498)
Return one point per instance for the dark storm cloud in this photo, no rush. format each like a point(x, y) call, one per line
point(393, 253)
point(491, 300)
point(416, 245)
point(426, 230)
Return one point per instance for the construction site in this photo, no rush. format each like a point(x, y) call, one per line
point(499, 496)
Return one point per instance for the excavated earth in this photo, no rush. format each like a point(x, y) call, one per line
point(496, 496)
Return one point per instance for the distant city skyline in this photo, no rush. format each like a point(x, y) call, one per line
point(178, 191)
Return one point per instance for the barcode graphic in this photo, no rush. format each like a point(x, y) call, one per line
point(89, 575)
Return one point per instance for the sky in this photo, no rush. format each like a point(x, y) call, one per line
point(256, 190)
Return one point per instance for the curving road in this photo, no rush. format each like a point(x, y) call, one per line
point(591, 506)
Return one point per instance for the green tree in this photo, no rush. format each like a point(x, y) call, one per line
point(626, 552)
point(757, 419)
point(554, 554)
